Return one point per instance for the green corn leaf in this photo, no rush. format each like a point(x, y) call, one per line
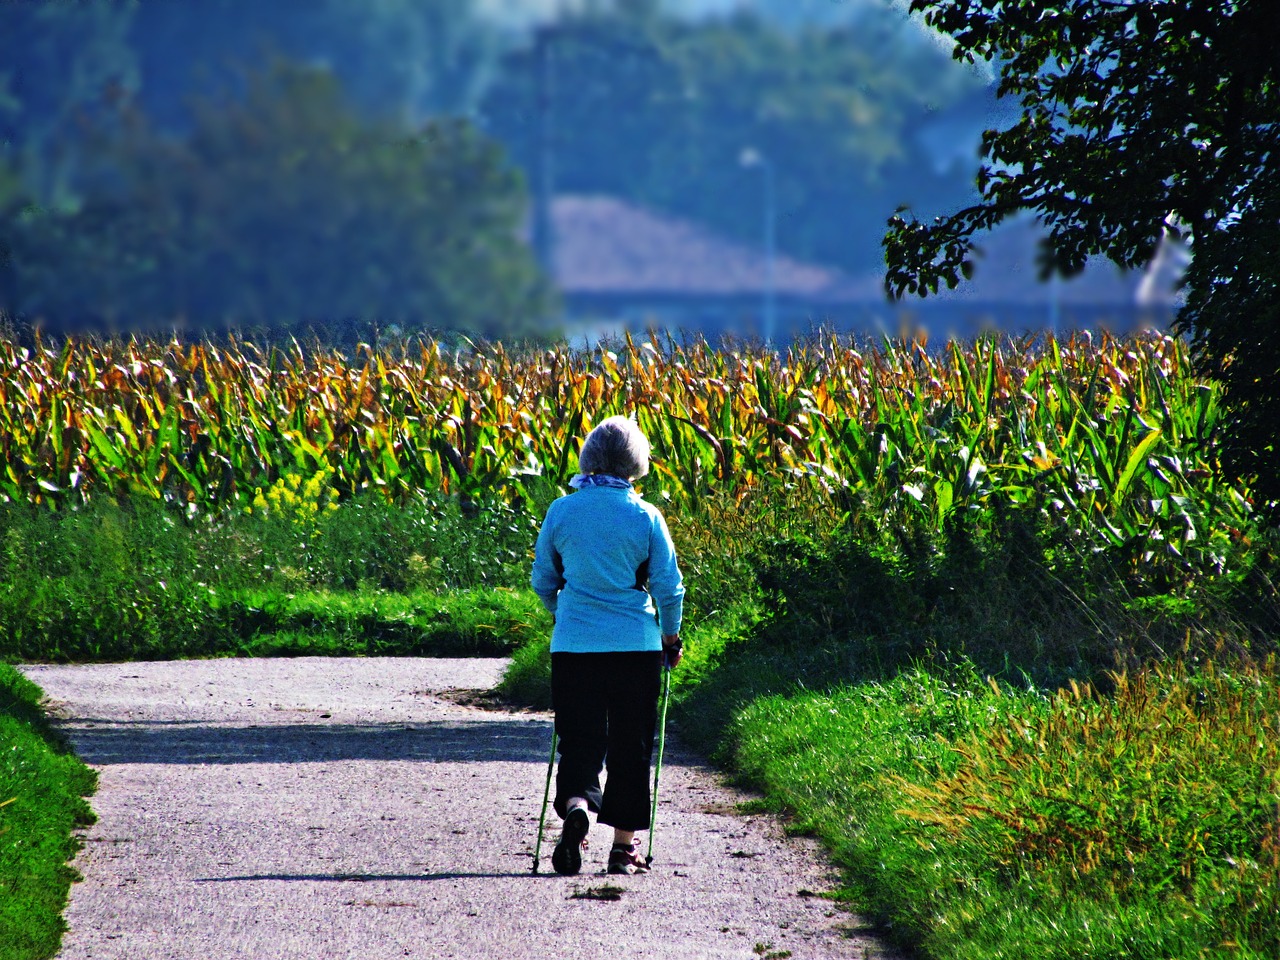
point(944, 497)
point(1136, 459)
point(103, 448)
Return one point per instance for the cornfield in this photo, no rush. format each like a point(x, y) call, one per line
point(1111, 435)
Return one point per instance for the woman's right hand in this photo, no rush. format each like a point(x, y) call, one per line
point(672, 650)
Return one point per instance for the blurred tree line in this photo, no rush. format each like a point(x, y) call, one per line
point(211, 166)
point(281, 210)
point(658, 110)
point(324, 163)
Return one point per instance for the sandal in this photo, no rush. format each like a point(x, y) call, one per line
point(626, 859)
point(566, 858)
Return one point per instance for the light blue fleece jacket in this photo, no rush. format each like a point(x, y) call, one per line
point(598, 549)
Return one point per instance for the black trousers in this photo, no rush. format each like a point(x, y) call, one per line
point(606, 707)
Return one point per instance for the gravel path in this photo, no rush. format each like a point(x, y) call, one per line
point(323, 808)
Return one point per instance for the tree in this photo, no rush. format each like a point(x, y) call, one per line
point(403, 57)
point(658, 110)
point(1141, 120)
point(57, 60)
point(283, 210)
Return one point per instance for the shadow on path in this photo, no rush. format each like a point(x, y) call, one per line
point(147, 741)
point(375, 877)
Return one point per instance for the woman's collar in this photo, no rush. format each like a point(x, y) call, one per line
point(599, 480)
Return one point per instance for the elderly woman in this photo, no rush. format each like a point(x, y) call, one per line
point(606, 568)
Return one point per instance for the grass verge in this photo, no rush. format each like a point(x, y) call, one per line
point(42, 791)
point(980, 821)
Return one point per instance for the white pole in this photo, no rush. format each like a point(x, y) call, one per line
point(770, 285)
point(750, 157)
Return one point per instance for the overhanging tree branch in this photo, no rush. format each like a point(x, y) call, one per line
point(1136, 115)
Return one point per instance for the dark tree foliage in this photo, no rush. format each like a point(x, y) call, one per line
point(1140, 120)
point(281, 210)
point(57, 59)
point(405, 57)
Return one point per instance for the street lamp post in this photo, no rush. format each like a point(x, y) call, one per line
point(750, 158)
point(543, 173)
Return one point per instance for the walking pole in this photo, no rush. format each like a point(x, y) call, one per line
point(546, 795)
point(662, 740)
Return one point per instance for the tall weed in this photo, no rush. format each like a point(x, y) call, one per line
point(1165, 793)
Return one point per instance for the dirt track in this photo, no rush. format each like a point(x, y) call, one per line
point(323, 808)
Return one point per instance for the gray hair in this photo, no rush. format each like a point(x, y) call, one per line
point(616, 447)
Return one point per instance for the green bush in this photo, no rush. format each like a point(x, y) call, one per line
point(101, 582)
point(42, 790)
point(459, 623)
point(148, 580)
